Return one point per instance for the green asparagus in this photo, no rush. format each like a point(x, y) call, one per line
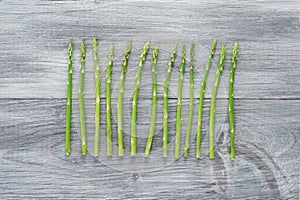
point(191, 106)
point(69, 101)
point(108, 102)
point(179, 99)
point(81, 100)
point(154, 101)
point(97, 98)
point(120, 100)
point(231, 96)
point(201, 100)
point(213, 103)
point(135, 97)
point(166, 97)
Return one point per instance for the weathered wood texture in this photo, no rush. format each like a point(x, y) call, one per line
point(34, 37)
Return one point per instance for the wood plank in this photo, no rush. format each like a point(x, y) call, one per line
point(35, 35)
point(33, 164)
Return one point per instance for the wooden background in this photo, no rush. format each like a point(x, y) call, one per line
point(34, 37)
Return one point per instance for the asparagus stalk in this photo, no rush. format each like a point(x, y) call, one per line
point(154, 101)
point(135, 97)
point(231, 96)
point(80, 97)
point(213, 103)
point(120, 100)
point(191, 106)
point(179, 99)
point(166, 96)
point(108, 102)
point(201, 100)
point(97, 98)
point(69, 101)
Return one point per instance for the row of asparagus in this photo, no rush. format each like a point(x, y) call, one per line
point(154, 100)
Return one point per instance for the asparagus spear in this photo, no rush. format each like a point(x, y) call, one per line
point(191, 106)
point(231, 96)
point(202, 93)
point(166, 96)
point(213, 103)
point(80, 97)
point(97, 98)
point(108, 102)
point(154, 101)
point(69, 101)
point(135, 97)
point(120, 100)
point(179, 94)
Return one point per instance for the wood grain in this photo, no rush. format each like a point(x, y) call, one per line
point(33, 163)
point(34, 37)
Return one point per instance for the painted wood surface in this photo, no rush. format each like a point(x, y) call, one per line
point(34, 37)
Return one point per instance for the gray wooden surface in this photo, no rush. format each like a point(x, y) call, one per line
point(34, 36)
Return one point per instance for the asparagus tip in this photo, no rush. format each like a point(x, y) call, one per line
point(155, 53)
point(223, 52)
point(127, 52)
point(70, 44)
point(235, 45)
point(176, 45)
point(183, 49)
point(235, 50)
point(94, 42)
point(213, 49)
point(223, 48)
point(192, 52)
point(146, 47)
point(129, 43)
point(70, 49)
point(112, 47)
point(156, 49)
point(111, 50)
point(174, 51)
point(128, 48)
point(214, 42)
point(82, 49)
